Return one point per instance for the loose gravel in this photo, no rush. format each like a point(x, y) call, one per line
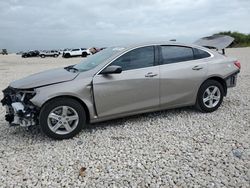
point(172, 148)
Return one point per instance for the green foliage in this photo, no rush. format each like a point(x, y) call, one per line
point(240, 39)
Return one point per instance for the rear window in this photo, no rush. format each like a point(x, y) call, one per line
point(199, 54)
point(174, 54)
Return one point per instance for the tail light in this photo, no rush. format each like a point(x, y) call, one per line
point(237, 64)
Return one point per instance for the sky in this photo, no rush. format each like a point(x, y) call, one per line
point(59, 24)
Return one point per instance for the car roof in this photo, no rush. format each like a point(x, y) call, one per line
point(161, 43)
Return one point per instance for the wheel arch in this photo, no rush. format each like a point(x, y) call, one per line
point(75, 98)
point(67, 54)
point(84, 54)
point(220, 80)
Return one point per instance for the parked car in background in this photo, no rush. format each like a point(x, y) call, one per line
point(91, 51)
point(4, 52)
point(65, 50)
point(118, 82)
point(76, 52)
point(50, 53)
point(34, 53)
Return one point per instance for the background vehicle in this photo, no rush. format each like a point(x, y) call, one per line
point(4, 52)
point(51, 53)
point(65, 50)
point(118, 82)
point(76, 52)
point(34, 53)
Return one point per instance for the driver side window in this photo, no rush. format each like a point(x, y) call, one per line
point(136, 59)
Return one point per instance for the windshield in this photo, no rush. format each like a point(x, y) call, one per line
point(95, 60)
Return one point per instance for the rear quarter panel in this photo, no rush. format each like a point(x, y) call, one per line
point(221, 66)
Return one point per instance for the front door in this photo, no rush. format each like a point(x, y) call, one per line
point(136, 88)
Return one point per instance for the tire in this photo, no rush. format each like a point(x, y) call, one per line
point(42, 56)
point(206, 102)
point(84, 54)
point(55, 55)
point(53, 116)
point(67, 55)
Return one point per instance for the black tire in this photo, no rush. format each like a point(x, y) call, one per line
point(200, 104)
point(84, 54)
point(49, 106)
point(55, 55)
point(42, 56)
point(67, 55)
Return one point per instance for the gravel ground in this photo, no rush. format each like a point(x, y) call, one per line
point(173, 148)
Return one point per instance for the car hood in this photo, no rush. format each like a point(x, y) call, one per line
point(44, 78)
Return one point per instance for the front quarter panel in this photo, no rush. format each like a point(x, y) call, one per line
point(79, 88)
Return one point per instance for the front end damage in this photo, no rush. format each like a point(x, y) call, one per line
point(19, 108)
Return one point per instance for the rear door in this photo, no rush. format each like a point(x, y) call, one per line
point(135, 89)
point(182, 70)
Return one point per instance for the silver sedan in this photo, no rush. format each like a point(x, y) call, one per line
point(118, 82)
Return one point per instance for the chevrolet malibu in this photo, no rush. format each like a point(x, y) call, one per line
point(118, 82)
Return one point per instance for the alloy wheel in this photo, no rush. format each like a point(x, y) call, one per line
point(63, 120)
point(211, 96)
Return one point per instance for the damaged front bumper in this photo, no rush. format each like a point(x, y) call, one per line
point(19, 108)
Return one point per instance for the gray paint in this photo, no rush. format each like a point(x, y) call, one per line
point(130, 92)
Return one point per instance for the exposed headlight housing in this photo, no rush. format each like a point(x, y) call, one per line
point(17, 95)
point(19, 108)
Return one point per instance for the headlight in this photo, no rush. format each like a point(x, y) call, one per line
point(26, 95)
point(19, 95)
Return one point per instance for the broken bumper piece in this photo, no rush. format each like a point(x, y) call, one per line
point(19, 109)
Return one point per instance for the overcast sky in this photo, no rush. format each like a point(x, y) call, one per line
point(55, 24)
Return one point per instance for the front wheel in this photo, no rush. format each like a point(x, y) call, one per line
point(67, 55)
point(210, 96)
point(62, 118)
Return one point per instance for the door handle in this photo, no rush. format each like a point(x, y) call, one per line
point(197, 67)
point(150, 74)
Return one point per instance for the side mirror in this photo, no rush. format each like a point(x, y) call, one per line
point(112, 70)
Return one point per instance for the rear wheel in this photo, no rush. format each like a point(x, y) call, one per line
point(55, 55)
point(210, 96)
point(42, 56)
point(62, 118)
point(84, 54)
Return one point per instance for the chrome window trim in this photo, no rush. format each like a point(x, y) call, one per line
point(157, 44)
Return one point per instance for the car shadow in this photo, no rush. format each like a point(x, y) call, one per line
point(135, 118)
